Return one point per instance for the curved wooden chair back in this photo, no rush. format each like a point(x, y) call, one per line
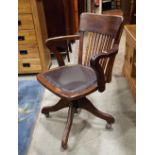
point(98, 34)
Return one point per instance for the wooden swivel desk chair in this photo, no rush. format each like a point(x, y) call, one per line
point(72, 83)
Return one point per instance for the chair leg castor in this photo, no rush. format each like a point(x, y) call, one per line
point(47, 115)
point(64, 146)
point(108, 126)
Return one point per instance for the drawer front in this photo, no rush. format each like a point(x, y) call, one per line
point(29, 66)
point(27, 52)
point(25, 22)
point(26, 37)
point(24, 6)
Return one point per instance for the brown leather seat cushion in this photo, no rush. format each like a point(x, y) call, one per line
point(70, 79)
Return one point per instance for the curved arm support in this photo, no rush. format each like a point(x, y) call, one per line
point(50, 42)
point(94, 62)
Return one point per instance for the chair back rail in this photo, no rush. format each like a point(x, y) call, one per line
point(99, 33)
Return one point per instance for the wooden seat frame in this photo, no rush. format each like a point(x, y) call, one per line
point(101, 24)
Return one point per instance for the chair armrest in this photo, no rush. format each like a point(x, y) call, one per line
point(109, 53)
point(50, 41)
point(94, 63)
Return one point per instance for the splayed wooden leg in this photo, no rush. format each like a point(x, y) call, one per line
point(87, 105)
point(60, 105)
point(68, 126)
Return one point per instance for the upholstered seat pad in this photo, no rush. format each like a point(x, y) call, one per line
point(71, 79)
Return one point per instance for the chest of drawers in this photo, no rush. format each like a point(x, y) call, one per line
point(129, 67)
point(32, 54)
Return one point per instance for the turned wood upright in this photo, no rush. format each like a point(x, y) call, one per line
point(100, 34)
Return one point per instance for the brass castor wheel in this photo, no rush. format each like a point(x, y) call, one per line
point(108, 126)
